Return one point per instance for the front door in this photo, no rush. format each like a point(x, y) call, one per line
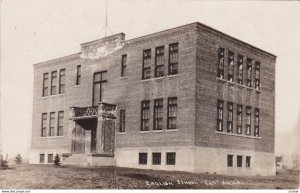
point(78, 139)
point(98, 86)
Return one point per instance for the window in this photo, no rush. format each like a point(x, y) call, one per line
point(143, 158)
point(145, 115)
point(229, 118)
point(50, 158)
point(239, 119)
point(239, 161)
point(171, 158)
point(220, 115)
point(156, 158)
point(248, 120)
point(122, 120)
point(172, 113)
point(98, 86)
point(53, 82)
point(221, 63)
point(158, 114)
point(60, 123)
point(78, 75)
point(173, 59)
point(44, 125)
point(257, 75)
point(42, 158)
point(159, 61)
point(45, 84)
point(229, 160)
point(62, 81)
point(249, 72)
point(124, 65)
point(146, 64)
point(230, 66)
point(51, 124)
point(248, 161)
point(240, 69)
point(256, 122)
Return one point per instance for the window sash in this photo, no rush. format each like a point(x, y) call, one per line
point(78, 75)
point(229, 160)
point(172, 113)
point(220, 115)
point(124, 65)
point(53, 82)
point(62, 80)
point(45, 84)
point(221, 62)
point(240, 69)
point(239, 160)
point(248, 161)
point(239, 119)
point(60, 123)
point(171, 158)
point(156, 158)
point(122, 120)
point(158, 114)
point(173, 58)
point(44, 125)
point(51, 124)
point(249, 72)
point(145, 115)
point(143, 158)
point(159, 61)
point(230, 66)
point(146, 64)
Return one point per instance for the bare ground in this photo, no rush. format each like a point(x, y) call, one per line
point(26, 176)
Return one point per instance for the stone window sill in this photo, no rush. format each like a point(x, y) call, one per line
point(237, 135)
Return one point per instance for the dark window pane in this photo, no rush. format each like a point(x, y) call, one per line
point(156, 158)
point(229, 160)
point(171, 158)
point(143, 158)
point(145, 115)
point(221, 63)
point(239, 161)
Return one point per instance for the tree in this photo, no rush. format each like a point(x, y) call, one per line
point(3, 164)
point(18, 159)
point(56, 161)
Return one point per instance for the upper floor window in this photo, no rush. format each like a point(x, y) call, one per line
point(230, 66)
point(239, 119)
point(122, 120)
point(158, 114)
point(53, 82)
point(248, 120)
point(146, 74)
point(256, 122)
point(44, 125)
point(221, 62)
point(249, 72)
point(60, 123)
point(51, 124)
point(173, 58)
point(240, 69)
point(124, 65)
point(145, 115)
point(257, 75)
point(45, 84)
point(159, 61)
point(78, 75)
point(172, 113)
point(99, 81)
point(230, 117)
point(62, 80)
point(220, 115)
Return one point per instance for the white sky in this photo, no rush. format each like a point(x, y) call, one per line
point(38, 30)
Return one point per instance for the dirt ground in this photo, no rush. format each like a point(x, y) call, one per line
point(27, 176)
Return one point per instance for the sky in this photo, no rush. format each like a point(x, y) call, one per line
point(33, 31)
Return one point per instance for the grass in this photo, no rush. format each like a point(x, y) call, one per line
point(25, 176)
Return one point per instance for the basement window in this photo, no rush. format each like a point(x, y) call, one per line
point(143, 158)
point(42, 158)
point(248, 161)
point(171, 158)
point(156, 158)
point(229, 160)
point(50, 158)
point(239, 160)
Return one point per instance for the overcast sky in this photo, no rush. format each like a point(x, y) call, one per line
point(38, 30)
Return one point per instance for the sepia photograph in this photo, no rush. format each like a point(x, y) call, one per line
point(149, 94)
